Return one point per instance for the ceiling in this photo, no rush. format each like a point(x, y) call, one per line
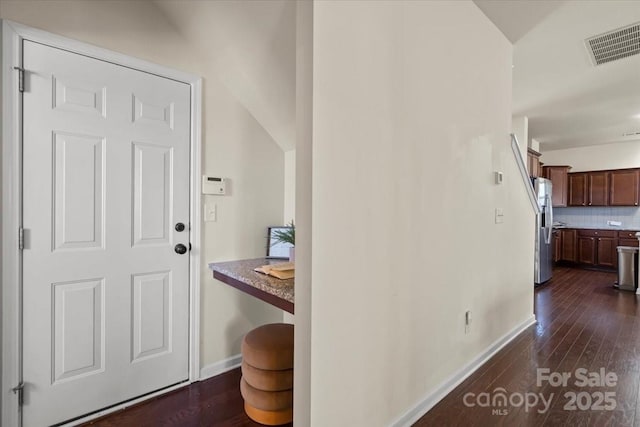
point(569, 101)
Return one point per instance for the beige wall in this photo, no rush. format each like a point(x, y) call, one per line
point(520, 128)
point(235, 146)
point(289, 186)
point(596, 157)
point(411, 117)
point(304, 200)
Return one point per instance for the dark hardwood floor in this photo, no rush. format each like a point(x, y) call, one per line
point(582, 323)
point(213, 402)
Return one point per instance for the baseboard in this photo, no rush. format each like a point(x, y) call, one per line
point(220, 367)
point(429, 401)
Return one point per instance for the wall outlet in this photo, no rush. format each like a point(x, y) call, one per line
point(614, 223)
point(467, 321)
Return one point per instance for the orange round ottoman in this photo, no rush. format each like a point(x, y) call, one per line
point(267, 374)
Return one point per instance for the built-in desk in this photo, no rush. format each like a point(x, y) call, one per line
point(240, 275)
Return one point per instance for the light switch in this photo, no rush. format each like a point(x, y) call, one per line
point(210, 214)
point(499, 216)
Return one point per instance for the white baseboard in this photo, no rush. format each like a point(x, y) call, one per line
point(429, 401)
point(220, 367)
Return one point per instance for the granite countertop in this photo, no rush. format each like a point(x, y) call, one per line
point(240, 275)
point(590, 227)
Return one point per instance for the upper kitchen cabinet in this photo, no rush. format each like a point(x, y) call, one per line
point(625, 187)
point(559, 179)
point(588, 188)
point(598, 187)
point(533, 163)
point(604, 188)
point(578, 195)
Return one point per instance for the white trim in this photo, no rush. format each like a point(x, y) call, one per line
point(515, 147)
point(54, 40)
point(11, 220)
point(220, 367)
point(429, 401)
point(194, 237)
point(12, 36)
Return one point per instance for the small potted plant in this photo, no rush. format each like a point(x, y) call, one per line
point(287, 235)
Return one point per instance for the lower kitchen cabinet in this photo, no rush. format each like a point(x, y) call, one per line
point(627, 238)
point(628, 242)
point(606, 252)
point(557, 246)
point(586, 250)
point(568, 238)
point(593, 248)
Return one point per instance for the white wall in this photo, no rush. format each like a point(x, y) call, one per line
point(596, 157)
point(411, 116)
point(235, 145)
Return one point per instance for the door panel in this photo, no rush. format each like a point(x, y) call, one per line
point(78, 191)
point(106, 174)
point(78, 325)
point(151, 314)
point(152, 194)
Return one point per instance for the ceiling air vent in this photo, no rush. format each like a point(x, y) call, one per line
point(615, 44)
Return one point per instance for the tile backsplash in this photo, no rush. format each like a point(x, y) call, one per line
point(590, 217)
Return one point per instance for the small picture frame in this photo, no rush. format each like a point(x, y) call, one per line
point(275, 249)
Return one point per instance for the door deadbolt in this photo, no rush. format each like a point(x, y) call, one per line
point(179, 226)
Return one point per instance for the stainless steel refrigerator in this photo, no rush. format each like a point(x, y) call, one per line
point(543, 265)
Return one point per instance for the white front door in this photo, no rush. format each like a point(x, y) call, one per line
point(106, 180)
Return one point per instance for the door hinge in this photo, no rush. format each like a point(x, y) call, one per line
point(20, 78)
point(20, 238)
point(19, 390)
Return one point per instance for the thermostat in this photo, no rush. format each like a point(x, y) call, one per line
point(213, 185)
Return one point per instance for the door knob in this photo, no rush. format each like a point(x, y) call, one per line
point(180, 249)
point(179, 226)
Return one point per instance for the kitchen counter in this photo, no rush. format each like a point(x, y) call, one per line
point(587, 227)
point(240, 275)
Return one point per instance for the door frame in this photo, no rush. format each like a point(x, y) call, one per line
point(11, 38)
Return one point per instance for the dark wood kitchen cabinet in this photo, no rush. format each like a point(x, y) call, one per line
point(586, 250)
point(557, 245)
point(606, 252)
point(598, 248)
point(598, 188)
point(588, 188)
point(625, 187)
point(533, 163)
point(578, 189)
point(568, 248)
point(593, 248)
point(627, 238)
point(558, 175)
point(604, 188)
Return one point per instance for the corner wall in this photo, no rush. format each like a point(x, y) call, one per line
point(411, 117)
